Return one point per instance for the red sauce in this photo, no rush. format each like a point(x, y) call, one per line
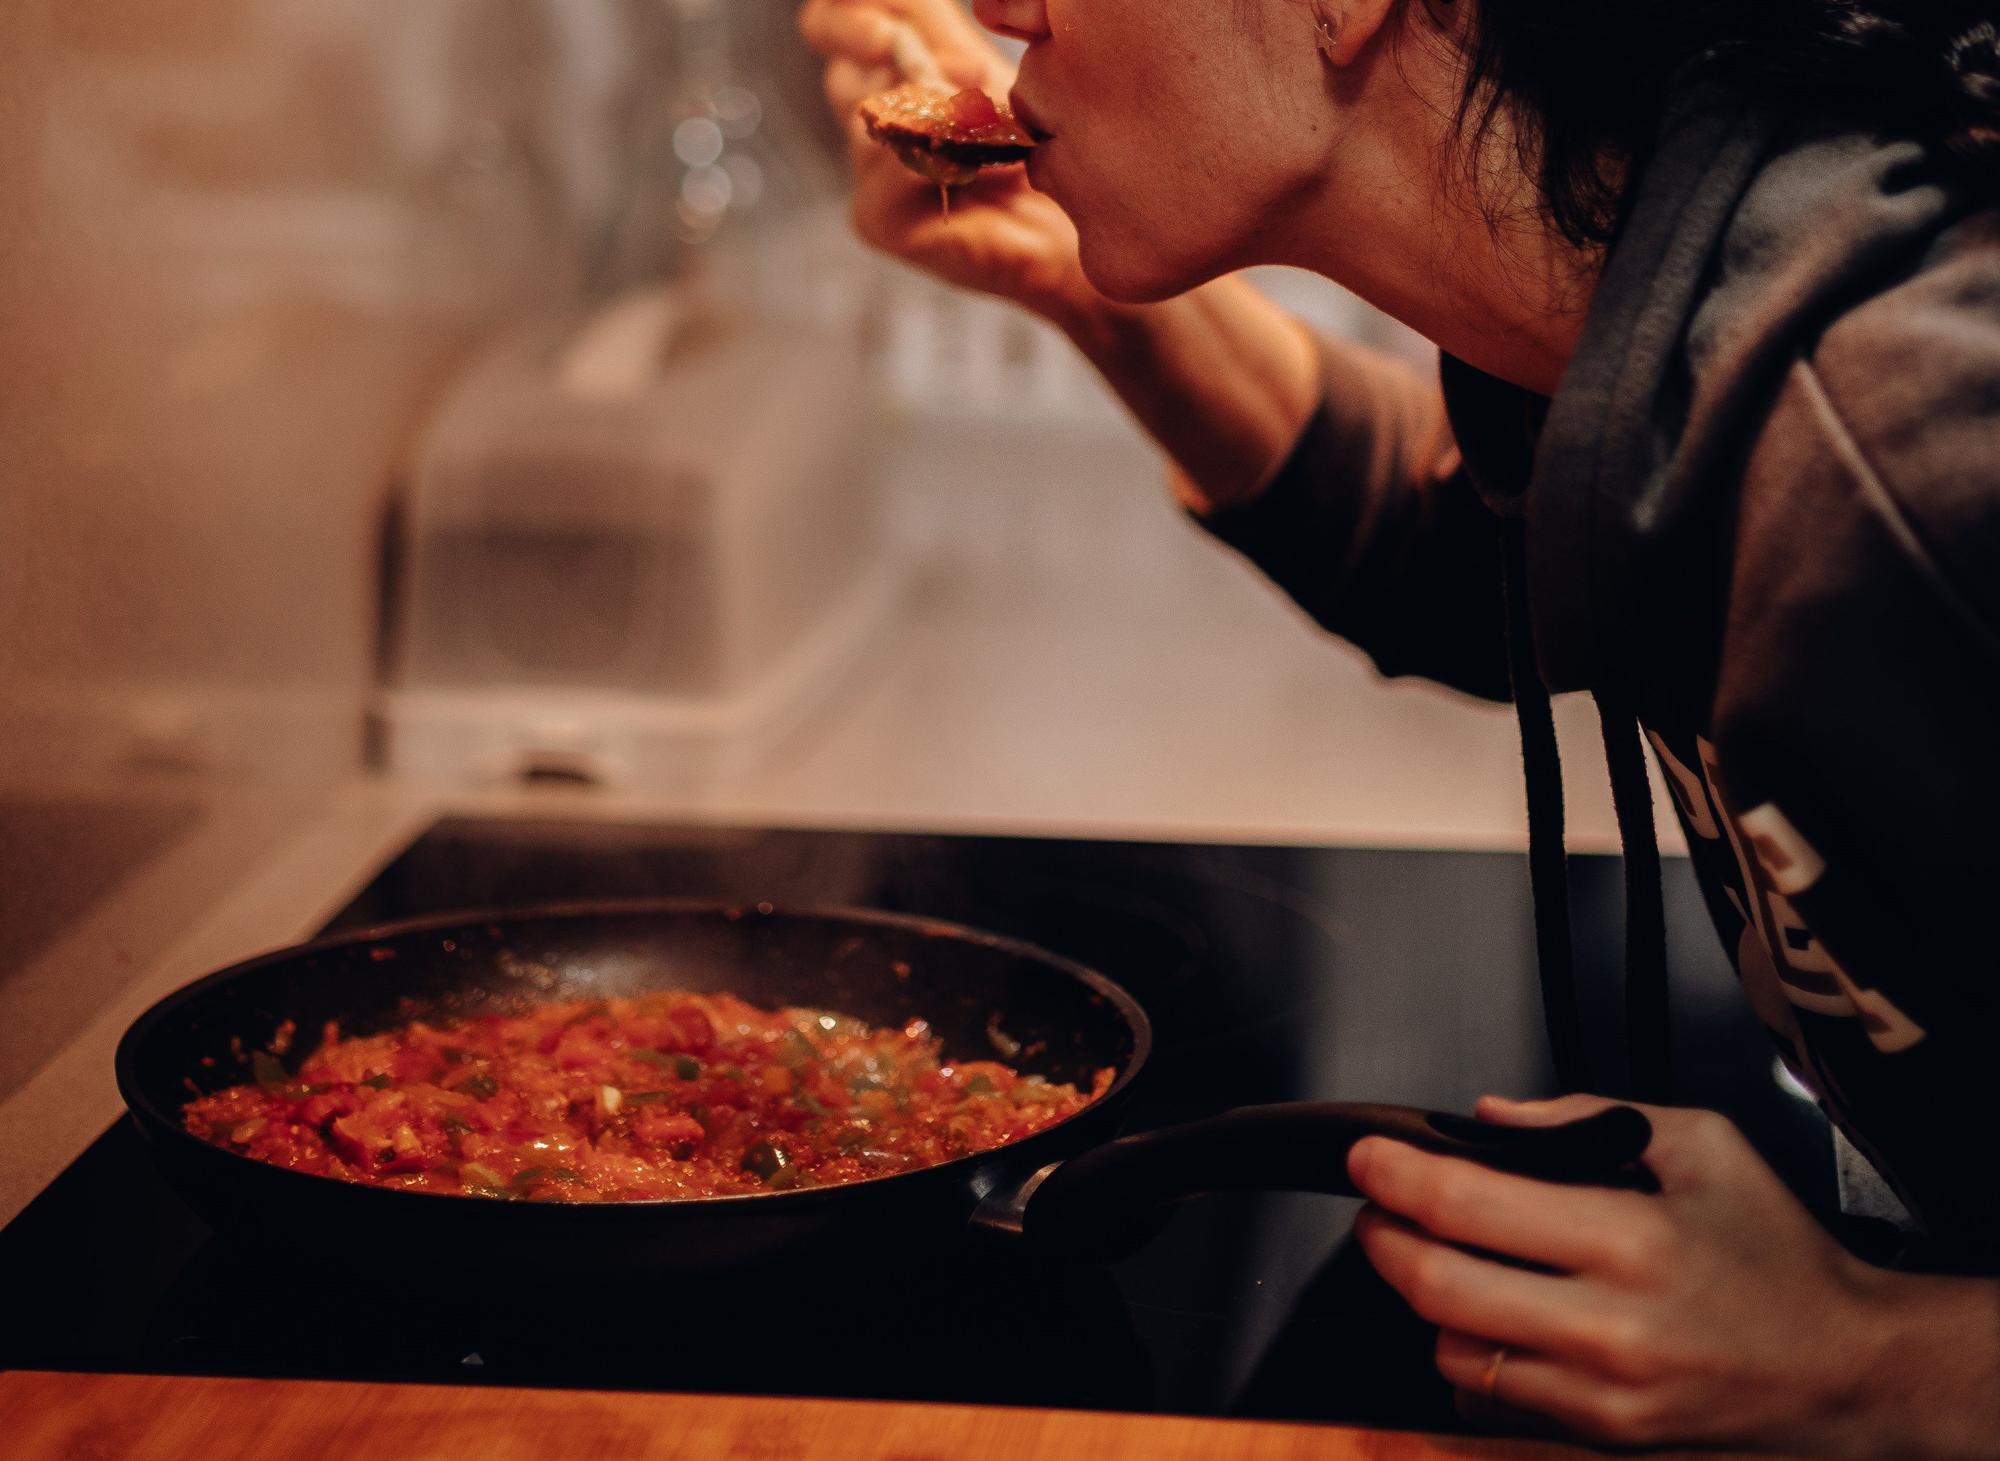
point(657, 1096)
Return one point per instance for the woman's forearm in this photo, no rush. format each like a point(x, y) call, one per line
point(1222, 378)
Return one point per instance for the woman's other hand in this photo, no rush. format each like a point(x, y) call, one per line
point(1001, 236)
point(1715, 1311)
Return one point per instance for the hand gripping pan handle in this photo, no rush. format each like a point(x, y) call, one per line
point(1105, 1201)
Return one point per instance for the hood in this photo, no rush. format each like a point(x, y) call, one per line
point(1742, 245)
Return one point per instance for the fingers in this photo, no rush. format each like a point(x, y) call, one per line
point(897, 210)
point(1455, 1290)
point(987, 72)
point(849, 83)
point(1563, 1109)
point(867, 32)
point(839, 29)
point(942, 25)
point(1528, 1391)
point(1689, 1146)
point(1505, 1112)
point(1466, 1361)
point(1569, 1228)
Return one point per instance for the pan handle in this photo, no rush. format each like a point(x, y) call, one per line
point(1107, 1200)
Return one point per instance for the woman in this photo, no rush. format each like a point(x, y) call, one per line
point(1717, 287)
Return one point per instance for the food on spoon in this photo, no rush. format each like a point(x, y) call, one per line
point(664, 1095)
point(944, 135)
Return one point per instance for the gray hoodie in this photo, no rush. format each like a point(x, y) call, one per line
point(1762, 514)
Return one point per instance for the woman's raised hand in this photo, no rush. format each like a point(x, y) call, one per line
point(1000, 237)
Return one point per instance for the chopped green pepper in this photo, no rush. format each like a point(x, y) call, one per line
point(266, 1071)
point(379, 1082)
point(529, 1176)
point(482, 1086)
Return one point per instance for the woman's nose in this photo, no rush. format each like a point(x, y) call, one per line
point(1026, 20)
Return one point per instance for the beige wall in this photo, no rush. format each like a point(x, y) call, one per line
point(242, 239)
point(241, 244)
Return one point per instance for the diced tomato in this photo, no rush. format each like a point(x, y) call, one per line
point(688, 1031)
point(829, 1092)
point(580, 1047)
point(973, 109)
point(413, 1065)
point(659, 1127)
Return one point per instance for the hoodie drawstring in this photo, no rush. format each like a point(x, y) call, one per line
point(1548, 881)
point(1647, 1026)
point(1646, 1005)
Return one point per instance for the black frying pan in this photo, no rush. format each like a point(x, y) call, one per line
point(1059, 1188)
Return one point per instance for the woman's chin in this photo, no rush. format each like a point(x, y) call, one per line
point(1129, 273)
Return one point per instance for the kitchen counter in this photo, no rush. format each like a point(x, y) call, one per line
point(139, 1417)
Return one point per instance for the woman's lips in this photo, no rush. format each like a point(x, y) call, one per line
point(1025, 115)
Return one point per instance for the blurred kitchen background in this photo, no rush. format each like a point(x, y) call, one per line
point(419, 404)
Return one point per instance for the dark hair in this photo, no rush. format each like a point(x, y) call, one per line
point(1585, 82)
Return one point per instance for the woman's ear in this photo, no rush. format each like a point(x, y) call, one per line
point(1346, 28)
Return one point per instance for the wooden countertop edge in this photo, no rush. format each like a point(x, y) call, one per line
point(97, 1417)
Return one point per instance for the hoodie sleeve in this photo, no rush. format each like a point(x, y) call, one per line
point(1857, 726)
point(1373, 526)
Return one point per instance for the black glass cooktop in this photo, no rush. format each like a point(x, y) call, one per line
point(1271, 973)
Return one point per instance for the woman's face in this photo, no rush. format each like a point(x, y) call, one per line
point(1181, 133)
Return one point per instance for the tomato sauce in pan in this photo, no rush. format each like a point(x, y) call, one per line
point(657, 1096)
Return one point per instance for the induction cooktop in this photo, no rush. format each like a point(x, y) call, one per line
point(1271, 973)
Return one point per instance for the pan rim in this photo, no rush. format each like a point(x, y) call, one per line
point(148, 1114)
